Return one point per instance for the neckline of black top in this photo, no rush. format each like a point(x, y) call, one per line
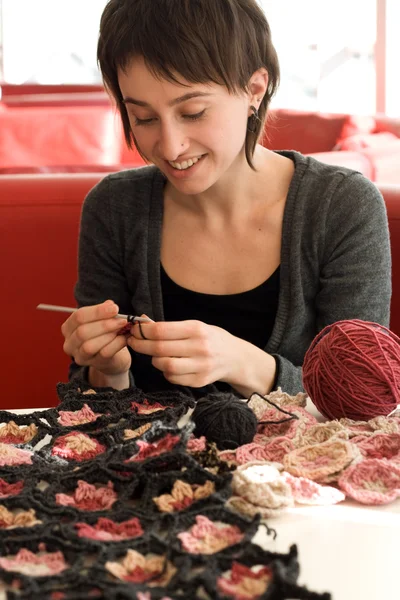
point(248, 315)
point(166, 279)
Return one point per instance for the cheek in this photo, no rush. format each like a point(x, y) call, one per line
point(230, 135)
point(144, 138)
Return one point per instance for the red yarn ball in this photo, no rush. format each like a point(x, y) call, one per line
point(352, 369)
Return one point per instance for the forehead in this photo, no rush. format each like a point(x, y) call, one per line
point(138, 81)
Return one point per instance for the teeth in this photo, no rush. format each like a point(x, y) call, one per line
point(186, 164)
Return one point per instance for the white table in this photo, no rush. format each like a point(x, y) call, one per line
point(349, 550)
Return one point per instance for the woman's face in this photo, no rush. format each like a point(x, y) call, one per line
point(177, 125)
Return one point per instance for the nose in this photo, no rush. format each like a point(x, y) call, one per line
point(172, 141)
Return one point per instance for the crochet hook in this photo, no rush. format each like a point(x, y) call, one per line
point(68, 309)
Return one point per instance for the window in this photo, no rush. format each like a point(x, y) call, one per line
point(50, 41)
point(336, 56)
point(326, 51)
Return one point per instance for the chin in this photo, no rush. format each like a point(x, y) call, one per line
point(190, 188)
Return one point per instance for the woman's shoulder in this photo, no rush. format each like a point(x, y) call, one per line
point(316, 183)
point(125, 196)
point(137, 181)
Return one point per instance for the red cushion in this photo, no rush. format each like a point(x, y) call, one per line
point(351, 160)
point(58, 99)
point(305, 132)
point(386, 161)
point(61, 169)
point(361, 141)
point(385, 123)
point(357, 124)
point(68, 135)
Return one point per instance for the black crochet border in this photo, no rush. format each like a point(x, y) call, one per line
point(136, 484)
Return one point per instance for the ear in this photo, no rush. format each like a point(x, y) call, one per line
point(257, 87)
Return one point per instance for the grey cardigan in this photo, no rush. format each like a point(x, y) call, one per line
point(335, 257)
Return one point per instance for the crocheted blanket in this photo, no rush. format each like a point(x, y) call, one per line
point(106, 496)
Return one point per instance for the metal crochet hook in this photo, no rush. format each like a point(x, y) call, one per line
point(68, 309)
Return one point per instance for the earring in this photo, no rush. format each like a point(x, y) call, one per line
point(253, 121)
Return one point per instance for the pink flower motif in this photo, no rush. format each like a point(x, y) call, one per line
point(380, 445)
point(243, 583)
point(288, 429)
point(11, 433)
point(35, 565)
point(148, 450)
point(273, 450)
point(77, 446)
point(146, 408)
point(306, 491)
point(321, 462)
point(250, 452)
point(69, 418)
point(89, 497)
point(10, 489)
point(11, 456)
point(209, 537)
point(153, 569)
point(106, 530)
point(197, 444)
point(372, 481)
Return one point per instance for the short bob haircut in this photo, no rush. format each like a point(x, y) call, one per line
point(203, 41)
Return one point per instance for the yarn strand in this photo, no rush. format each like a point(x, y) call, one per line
point(279, 408)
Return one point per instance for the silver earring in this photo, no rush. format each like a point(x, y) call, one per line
point(253, 120)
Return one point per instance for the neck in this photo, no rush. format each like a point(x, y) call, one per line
point(233, 194)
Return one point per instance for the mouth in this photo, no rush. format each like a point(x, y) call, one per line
point(186, 165)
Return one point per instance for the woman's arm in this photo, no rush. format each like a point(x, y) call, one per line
point(345, 269)
point(100, 277)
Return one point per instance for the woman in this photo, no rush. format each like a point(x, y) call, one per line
point(239, 255)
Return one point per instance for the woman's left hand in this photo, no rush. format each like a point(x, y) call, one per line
point(189, 353)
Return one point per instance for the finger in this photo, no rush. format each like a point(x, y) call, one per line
point(162, 348)
point(89, 314)
point(141, 332)
point(169, 330)
point(104, 346)
point(194, 380)
point(89, 331)
point(175, 366)
point(109, 350)
point(92, 333)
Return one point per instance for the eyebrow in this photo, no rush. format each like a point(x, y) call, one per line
point(189, 96)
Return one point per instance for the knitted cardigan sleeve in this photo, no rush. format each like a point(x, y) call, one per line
point(344, 267)
point(108, 218)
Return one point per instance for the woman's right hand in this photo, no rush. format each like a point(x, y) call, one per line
point(91, 338)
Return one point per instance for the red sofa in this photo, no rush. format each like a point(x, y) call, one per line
point(39, 217)
point(62, 132)
point(368, 144)
point(65, 128)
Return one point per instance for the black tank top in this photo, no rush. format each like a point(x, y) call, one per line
point(248, 315)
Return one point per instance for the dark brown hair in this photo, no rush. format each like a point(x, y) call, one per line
point(203, 41)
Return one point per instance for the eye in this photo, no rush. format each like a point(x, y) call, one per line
point(150, 121)
point(143, 121)
point(195, 117)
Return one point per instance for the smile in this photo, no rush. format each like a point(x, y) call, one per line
point(185, 164)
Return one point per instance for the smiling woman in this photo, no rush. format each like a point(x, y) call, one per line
point(238, 255)
point(174, 130)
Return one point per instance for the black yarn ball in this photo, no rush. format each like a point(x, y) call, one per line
point(224, 419)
